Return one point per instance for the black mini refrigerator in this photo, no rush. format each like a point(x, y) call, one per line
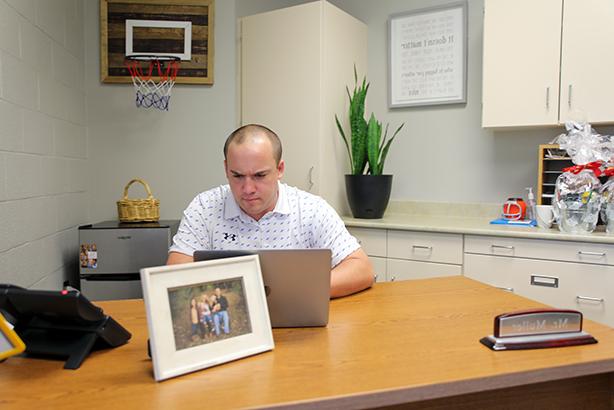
point(112, 253)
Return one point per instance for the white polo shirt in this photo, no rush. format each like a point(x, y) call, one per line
point(300, 220)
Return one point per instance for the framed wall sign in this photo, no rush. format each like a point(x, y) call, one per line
point(205, 313)
point(428, 56)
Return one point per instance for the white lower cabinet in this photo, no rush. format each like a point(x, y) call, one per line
point(564, 274)
point(373, 242)
point(426, 246)
point(398, 269)
point(566, 285)
point(403, 255)
point(379, 267)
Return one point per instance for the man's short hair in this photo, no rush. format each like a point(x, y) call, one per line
point(239, 136)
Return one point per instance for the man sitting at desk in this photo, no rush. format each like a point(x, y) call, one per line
point(256, 211)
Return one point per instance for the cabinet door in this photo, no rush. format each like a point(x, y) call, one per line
point(398, 269)
point(521, 61)
point(372, 241)
point(587, 83)
point(280, 84)
point(379, 267)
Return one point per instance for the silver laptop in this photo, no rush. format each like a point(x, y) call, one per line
point(296, 283)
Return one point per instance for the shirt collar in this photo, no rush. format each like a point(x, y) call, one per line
point(233, 210)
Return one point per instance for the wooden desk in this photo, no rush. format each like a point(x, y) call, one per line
point(402, 342)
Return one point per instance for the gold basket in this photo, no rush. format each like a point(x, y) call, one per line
point(138, 210)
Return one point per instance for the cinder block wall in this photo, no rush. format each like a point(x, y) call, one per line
point(43, 140)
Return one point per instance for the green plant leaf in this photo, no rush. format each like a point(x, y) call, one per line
point(374, 133)
point(386, 148)
point(345, 140)
point(384, 139)
point(358, 127)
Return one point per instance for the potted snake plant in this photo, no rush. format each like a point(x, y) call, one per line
point(367, 187)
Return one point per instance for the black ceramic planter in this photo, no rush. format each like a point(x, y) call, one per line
point(368, 195)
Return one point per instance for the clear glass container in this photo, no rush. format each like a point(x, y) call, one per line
point(607, 208)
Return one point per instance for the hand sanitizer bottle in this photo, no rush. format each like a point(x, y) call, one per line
point(531, 206)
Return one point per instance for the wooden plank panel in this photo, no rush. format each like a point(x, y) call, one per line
point(199, 70)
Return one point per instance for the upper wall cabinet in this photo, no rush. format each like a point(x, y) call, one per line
point(587, 76)
point(295, 65)
point(547, 61)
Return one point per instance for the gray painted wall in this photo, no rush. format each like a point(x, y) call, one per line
point(443, 154)
point(43, 141)
point(179, 152)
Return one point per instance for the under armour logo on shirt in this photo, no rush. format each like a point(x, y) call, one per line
point(231, 236)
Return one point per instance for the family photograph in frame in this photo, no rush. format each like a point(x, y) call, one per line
point(205, 314)
point(208, 312)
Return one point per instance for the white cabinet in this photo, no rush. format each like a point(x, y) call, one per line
point(521, 62)
point(547, 61)
point(421, 255)
point(295, 65)
point(399, 269)
point(571, 275)
point(587, 83)
point(379, 267)
point(402, 255)
point(426, 246)
point(373, 242)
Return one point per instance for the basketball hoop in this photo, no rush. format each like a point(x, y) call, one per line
point(145, 70)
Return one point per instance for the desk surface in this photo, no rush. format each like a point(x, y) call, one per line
point(397, 342)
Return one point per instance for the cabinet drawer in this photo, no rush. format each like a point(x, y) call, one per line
point(398, 269)
point(379, 267)
point(372, 241)
point(597, 253)
point(426, 246)
point(579, 286)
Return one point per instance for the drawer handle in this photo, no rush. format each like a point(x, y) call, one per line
point(600, 254)
point(589, 299)
point(427, 248)
point(505, 289)
point(547, 281)
point(508, 247)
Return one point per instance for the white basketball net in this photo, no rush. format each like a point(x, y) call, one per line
point(150, 93)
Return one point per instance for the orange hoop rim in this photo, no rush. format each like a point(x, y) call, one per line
point(133, 63)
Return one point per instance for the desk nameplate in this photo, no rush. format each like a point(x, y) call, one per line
point(533, 329)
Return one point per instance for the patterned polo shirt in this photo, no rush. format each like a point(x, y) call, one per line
point(300, 220)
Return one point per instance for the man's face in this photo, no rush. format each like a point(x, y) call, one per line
point(252, 175)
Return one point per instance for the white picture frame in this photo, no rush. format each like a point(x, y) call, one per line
point(176, 346)
point(427, 56)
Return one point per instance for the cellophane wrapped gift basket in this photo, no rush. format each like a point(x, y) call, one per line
point(579, 195)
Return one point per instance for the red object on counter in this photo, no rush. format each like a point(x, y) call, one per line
point(514, 209)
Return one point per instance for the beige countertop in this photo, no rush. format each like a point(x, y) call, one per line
point(473, 225)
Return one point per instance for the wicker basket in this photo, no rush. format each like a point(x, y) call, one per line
point(138, 210)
